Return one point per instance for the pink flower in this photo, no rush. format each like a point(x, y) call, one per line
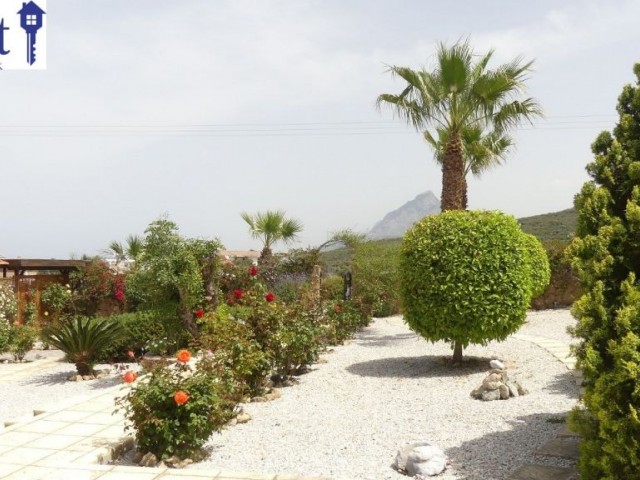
point(253, 271)
point(131, 354)
point(270, 297)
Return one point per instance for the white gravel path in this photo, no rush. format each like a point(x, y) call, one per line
point(347, 418)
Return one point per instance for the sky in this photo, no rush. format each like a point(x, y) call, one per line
point(202, 109)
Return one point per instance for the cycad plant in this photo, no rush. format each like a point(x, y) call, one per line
point(83, 340)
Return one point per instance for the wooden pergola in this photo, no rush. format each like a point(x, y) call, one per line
point(32, 275)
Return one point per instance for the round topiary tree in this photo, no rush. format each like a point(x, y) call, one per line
point(538, 261)
point(465, 277)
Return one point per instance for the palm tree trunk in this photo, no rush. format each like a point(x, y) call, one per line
point(453, 175)
point(465, 198)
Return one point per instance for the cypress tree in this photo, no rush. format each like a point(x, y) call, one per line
point(606, 256)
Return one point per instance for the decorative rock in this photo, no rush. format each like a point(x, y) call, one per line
point(148, 460)
point(232, 422)
point(497, 364)
point(243, 417)
point(273, 394)
point(490, 395)
point(420, 459)
point(259, 399)
point(504, 392)
point(497, 386)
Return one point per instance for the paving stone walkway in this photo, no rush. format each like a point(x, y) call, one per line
point(566, 443)
point(79, 439)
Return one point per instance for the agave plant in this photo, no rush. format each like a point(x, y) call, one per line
point(82, 340)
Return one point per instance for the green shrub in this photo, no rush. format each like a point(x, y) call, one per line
point(230, 340)
point(154, 331)
point(539, 270)
point(82, 340)
point(340, 321)
point(177, 408)
point(465, 277)
point(606, 256)
point(22, 338)
point(375, 278)
point(333, 288)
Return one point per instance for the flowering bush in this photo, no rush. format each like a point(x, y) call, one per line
point(8, 310)
point(177, 407)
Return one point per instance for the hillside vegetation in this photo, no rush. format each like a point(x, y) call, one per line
point(551, 226)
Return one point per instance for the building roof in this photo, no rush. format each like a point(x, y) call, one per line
point(230, 254)
point(43, 264)
point(2, 262)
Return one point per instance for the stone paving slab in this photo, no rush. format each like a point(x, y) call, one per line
point(542, 472)
point(562, 447)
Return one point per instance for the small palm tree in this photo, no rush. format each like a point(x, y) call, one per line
point(83, 340)
point(271, 227)
point(132, 251)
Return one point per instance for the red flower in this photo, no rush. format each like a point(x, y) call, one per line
point(119, 295)
point(238, 293)
point(181, 397)
point(199, 313)
point(270, 297)
point(130, 354)
point(253, 271)
point(183, 356)
point(130, 376)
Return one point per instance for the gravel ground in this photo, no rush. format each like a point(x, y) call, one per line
point(347, 418)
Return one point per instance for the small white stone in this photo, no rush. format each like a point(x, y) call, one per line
point(497, 364)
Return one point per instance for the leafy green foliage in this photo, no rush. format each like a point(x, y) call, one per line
point(606, 256)
point(21, 340)
point(539, 269)
point(465, 277)
point(166, 428)
point(83, 340)
point(154, 331)
point(376, 278)
point(170, 272)
point(231, 341)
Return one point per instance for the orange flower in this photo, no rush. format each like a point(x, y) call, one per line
point(184, 356)
point(130, 376)
point(181, 397)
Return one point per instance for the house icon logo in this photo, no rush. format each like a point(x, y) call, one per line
point(23, 38)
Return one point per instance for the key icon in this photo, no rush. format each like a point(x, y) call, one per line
point(31, 21)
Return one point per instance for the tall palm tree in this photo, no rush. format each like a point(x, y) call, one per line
point(462, 99)
point(481, 151)
point(271, 227)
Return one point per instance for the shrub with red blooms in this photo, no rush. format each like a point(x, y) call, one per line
point(270, 297)
point(253, 270)
point(183, 356)
point(179, 407)
point(238, 293)
point(181, 397)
